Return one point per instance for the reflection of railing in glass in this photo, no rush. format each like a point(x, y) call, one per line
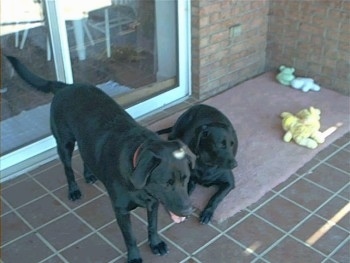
point(121, 16)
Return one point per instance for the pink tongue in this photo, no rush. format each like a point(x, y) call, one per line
point(176, 219)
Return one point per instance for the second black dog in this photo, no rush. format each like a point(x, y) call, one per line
point(210, 135)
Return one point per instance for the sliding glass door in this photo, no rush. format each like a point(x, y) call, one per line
point(137, 51)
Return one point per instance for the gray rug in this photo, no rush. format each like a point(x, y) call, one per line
point(264, 160)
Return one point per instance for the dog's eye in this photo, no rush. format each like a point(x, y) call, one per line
point(223, 145)
point(232, 143)
point(170, 182)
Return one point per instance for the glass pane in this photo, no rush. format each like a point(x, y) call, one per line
point(129, 48)
point(24, 111)
point(126, 47)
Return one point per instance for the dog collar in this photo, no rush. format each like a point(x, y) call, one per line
point(136, 155)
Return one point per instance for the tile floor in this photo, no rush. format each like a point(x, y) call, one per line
point(305, 219)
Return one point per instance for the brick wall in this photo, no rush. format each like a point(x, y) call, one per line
point(222, 58)
point(313, 36)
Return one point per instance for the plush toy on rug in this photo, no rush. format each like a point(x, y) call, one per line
point(286, 75)
point(303, 127)
point(304, 84)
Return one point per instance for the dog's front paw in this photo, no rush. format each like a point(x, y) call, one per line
point(74, 192)
point(136, 260)
point(159, 249)
point(206, 216)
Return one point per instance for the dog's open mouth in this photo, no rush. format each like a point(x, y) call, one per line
point(177, 219)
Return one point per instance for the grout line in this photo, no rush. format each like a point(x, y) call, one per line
point(19, 178)
point(288, 233)
point(339, 149)
point(193, 259)
point(220, 233)
point(94, 231)
point(314, 212)
point(33, 230)
point(324, 188)
point(338, 169)
point(241, 245)
point(336, 249)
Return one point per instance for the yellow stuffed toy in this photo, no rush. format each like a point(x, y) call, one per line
point(303, 127)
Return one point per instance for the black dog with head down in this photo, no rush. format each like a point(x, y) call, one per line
point(134, 164)
point(210, 135)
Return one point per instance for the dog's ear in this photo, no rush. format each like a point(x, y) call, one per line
point(191, 157)
point(146, 164)
point(200, 132)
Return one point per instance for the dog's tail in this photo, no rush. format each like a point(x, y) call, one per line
point(163, 131)
point(39, 83)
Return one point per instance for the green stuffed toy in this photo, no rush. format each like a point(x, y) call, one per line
point(286, 75)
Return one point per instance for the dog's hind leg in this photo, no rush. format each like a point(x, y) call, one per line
point(158, 246)
point(90, 178)
point(65, 150)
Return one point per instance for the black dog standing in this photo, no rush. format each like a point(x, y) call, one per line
point(134, 164)
point(210, 135)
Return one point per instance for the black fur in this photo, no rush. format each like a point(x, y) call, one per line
point(134, 164)
point(211, 136)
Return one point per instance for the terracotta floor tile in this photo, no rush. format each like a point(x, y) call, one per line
point(341, 160)
point(327, 152)
point(345, 193)
point(4, 208)
point(343, 253)
point(320, 234)
point(308, 166)
point(306, 194)
point(98, 212)
point(29, 249)
point(37, 216)
point(334, 210)
point(343, 140)
point(328, 177)
point(262, 201)
point(224, 250)
point(114, 235)
point(88, 193)
point(282, 213)
point(64, 231)
point(12, 227)
point(230, 221)
point(91, 249)
point(189, 234)
point(255, 234)
point(52, 178)
point(174, 255)
point(291, 180)
point(14, 181)
point(54, 259)
point(45, 167)
point(22, 192)
point(291, 251)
